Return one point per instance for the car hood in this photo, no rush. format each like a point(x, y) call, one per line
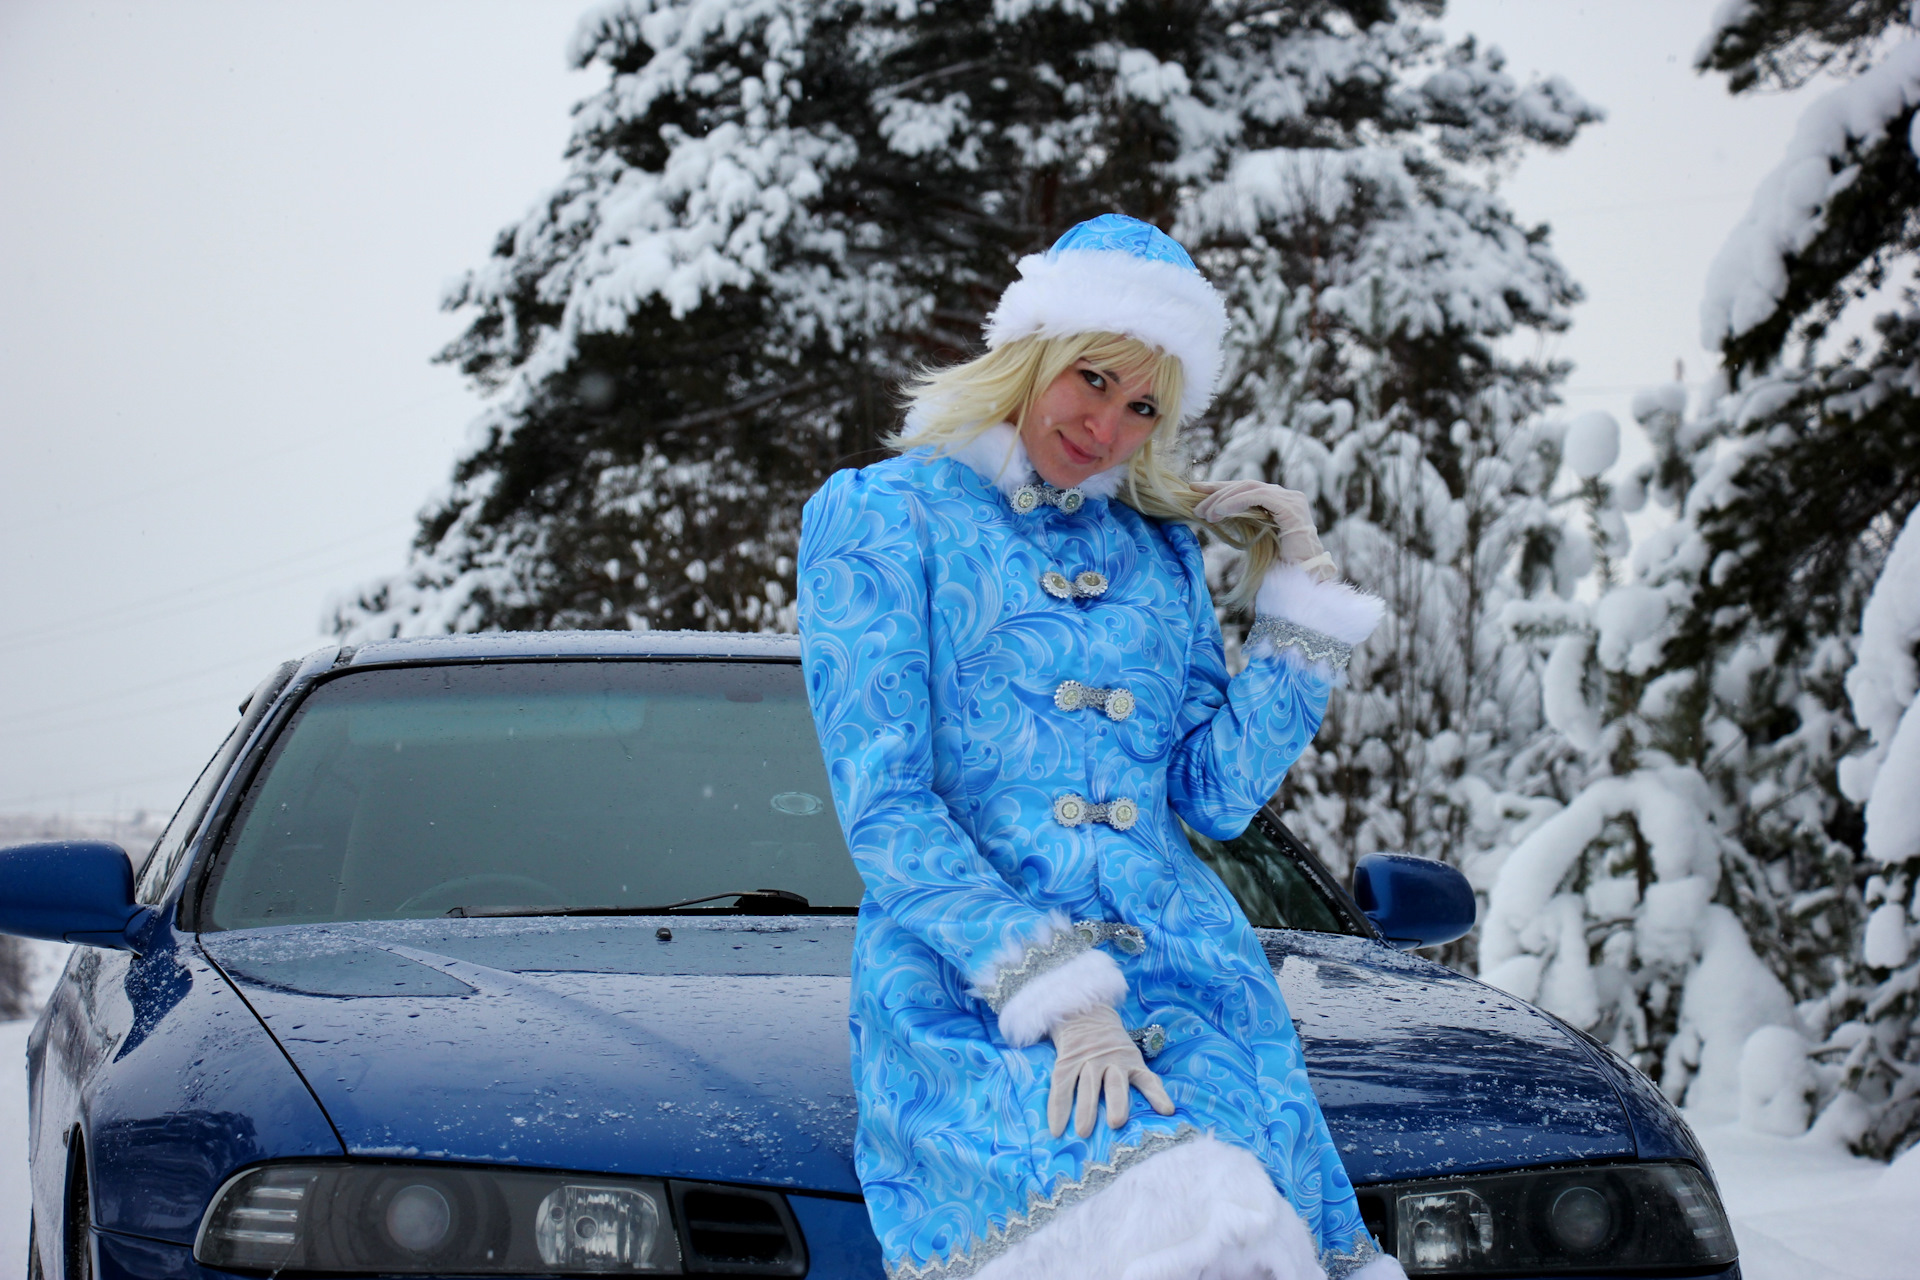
point(1423, 1072)
point(721, 1051)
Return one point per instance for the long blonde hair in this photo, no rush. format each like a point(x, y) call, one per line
point(950, 407)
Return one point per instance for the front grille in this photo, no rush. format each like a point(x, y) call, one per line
point(737, 1231)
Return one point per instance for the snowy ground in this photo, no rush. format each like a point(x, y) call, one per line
point(1801, 1211)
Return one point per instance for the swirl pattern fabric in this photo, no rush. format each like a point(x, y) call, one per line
point(932, 656)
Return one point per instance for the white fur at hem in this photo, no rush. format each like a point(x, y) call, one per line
point(1384, 1267)
point(1000, 458)
point(1203, 1210)
point(1088, 980)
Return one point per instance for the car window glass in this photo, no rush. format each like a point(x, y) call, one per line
point(422, 791)
point(167, 850)
point(1270, 886)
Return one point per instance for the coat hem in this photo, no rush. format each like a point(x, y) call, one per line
point(1041, 1210)
point(1180, 1203)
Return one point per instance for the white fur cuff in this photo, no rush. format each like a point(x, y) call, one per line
point(1335, 609)
point(1085, 982)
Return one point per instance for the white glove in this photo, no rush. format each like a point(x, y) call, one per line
point(1291, 512)
point(1094, 1054)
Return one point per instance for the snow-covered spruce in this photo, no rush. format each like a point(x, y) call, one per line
point(757, 239)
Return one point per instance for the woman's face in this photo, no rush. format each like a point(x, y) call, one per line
point(1088, 420)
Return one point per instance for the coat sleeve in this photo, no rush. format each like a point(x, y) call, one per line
point(865, 644)
point(1236, 738)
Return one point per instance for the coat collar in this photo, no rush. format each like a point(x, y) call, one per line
point(1001, 460)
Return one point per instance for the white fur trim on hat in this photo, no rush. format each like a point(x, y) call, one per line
point(1163, 304)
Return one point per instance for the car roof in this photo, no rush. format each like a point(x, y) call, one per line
point(510, 646)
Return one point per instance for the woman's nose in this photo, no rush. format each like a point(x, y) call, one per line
point(1103, 423)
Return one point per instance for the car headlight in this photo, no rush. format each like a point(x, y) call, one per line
point(1593, 1219)
point(365, 1218)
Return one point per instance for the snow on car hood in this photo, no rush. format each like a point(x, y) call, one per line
point(571, 1044)
point(722, 1053)
point(1423, 1072)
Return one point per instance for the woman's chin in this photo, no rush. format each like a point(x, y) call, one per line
point(1063, 472)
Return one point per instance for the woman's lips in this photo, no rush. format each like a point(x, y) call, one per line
point(1076, 455)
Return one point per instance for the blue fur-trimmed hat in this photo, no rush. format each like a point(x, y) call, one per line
point(1115, 274)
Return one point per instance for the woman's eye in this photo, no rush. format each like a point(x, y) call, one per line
point(1094, 380)
point(1144, 409)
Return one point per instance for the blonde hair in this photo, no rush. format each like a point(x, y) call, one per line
point(951, 407)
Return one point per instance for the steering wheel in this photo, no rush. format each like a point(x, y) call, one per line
point(481, 887)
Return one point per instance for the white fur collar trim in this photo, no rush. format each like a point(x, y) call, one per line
point(1000, 459)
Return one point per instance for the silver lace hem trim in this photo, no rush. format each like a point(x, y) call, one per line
point(1041, 1210)
point(1315, 646)
point(1341, 1263)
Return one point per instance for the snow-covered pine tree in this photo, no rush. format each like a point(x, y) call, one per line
point(777, 207)
point(1879, 1010)
point(1635, 910)
point(1699, 904)
point(1810, 542)
point(1438, 502)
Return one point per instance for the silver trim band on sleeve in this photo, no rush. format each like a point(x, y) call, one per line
point(1314, 646)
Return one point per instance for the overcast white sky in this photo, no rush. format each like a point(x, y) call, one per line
point(224, 230)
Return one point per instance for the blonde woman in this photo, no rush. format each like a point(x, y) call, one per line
point(1072, 1059)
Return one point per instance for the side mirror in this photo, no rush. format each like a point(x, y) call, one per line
point(69, 891)
point(1414, 902)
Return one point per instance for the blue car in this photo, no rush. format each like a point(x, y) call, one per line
point(518, 955)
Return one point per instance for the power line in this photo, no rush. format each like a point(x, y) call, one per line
point(122, 717)
point(84, 704)
point(173, 603)
point(185, 478)
point(39, 797)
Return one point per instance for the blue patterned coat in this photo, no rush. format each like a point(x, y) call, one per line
point(935, 646)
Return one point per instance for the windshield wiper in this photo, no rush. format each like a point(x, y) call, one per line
point(756, 902)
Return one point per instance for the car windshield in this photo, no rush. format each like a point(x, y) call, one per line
point(429, 791)
point(526, 787)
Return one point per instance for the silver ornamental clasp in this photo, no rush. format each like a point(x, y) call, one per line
point(1072, 696)
point(1128, 937)
point(1029, 498)
point(1151, 1039)
point(1087, 583)
point(1072, 810)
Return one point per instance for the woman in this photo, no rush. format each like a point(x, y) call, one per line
point(1018, 682)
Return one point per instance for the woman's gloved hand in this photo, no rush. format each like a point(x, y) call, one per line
point(1291, 512)
point(1094, 1054)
